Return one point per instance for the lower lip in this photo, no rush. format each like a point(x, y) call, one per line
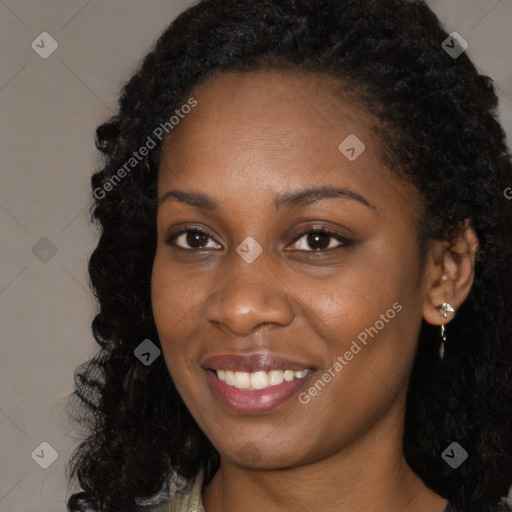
point(254, 401)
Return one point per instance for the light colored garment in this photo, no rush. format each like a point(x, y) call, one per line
point(187, 499)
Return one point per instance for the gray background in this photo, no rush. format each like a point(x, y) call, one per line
point(50, 109)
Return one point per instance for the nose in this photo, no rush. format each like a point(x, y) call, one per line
point(251, 295)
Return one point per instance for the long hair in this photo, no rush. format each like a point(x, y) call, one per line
point(438, 127)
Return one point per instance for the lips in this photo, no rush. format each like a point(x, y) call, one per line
point(258, 401)
point(254, 400)
point(250, 363)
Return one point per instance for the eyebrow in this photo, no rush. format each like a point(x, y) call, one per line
point(294, 199)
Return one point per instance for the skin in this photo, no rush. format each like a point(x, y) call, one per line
point(252, 137)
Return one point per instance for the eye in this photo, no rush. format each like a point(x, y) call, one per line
point(318, 239)
point(195, 238)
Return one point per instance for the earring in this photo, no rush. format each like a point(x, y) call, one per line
point(446, 309)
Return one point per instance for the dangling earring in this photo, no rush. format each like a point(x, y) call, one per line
point(447, 309)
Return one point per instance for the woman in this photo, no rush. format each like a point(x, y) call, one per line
point(303, 271)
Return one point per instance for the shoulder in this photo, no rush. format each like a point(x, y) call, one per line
point(186, 499)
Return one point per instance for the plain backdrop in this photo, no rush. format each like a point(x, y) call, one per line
point(49, 110)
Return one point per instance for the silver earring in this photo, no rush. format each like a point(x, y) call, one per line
point(446, 309)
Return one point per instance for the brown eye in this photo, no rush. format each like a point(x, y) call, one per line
point(321, 240)
point(195, 238)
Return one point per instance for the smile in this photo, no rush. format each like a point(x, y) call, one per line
point(259, 379)
point(238, 392)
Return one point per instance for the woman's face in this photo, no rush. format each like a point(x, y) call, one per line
point(346, 305)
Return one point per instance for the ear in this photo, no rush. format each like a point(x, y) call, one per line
point(450, 273)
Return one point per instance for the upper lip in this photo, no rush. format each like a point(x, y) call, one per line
point(263, 361)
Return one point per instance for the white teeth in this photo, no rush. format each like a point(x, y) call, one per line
point(260, 379)
point(230, 378)
point(289, 375)
point(275, 377)
point(242, 380)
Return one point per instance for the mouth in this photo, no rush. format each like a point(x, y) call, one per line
point(259, 379)
point(278, 387)
point(254, 401)
point(255, 383)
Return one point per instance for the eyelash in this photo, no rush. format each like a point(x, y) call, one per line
point(344, 242)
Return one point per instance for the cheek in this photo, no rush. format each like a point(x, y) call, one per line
point(369, 354)
point(353, 298)
point(369, 315)
point(176, 292)
point(363, 341)
point(175, 303)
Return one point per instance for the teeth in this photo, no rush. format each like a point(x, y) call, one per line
point(289, 375)
point(242, 380)
point(259, 380)
point(230, 378)
point(275, 377)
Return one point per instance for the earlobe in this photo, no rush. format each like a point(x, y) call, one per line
point(450, 275)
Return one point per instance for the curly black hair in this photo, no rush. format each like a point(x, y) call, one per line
point(436, 118)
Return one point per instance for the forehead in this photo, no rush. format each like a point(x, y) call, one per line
point(263, 130)
point(271, 107)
